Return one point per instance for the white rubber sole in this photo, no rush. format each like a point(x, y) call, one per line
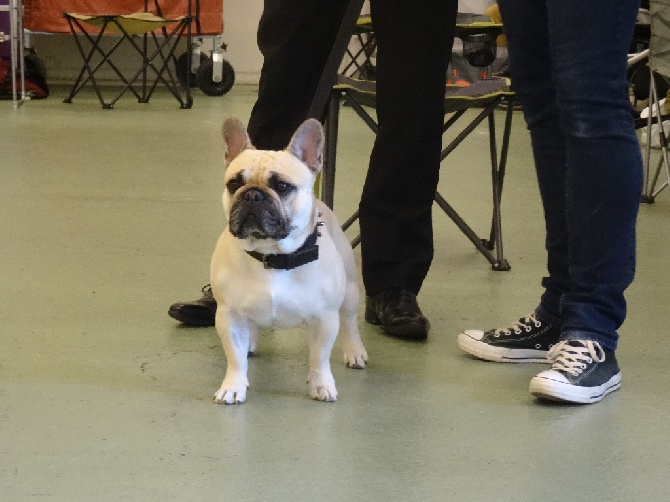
point(488, 352)
point(552, 385)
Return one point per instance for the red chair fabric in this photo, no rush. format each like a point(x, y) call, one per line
point(47, 15)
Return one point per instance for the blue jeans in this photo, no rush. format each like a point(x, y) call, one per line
point(568, 67)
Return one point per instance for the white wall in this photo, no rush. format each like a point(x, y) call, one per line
point(63, 61)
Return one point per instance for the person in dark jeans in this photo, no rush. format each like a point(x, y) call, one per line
point(414, 41)
point(568, 63)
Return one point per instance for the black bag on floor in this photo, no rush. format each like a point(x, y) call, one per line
point(35, 78)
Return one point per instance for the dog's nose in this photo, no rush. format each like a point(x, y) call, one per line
point(254, 195)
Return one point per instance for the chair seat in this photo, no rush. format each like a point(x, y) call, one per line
point(456, 97)
point(134, 24)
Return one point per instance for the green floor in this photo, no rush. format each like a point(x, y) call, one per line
point(108, 217)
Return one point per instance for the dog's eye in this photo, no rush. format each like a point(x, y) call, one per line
point(234, 184)
point(280, 186)
point(283, 188)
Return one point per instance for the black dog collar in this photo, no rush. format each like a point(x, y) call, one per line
point(306, 253)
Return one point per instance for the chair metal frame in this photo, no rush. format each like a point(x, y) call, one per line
point(498, 159)
point(156, 57)
point(651, 175)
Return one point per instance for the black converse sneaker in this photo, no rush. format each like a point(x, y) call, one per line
point(526, 341)
point(583, 372)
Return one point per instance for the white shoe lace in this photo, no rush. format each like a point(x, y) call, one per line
point(518, 326)
point(574, 360)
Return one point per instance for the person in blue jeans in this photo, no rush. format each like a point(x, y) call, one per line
point(568, 67)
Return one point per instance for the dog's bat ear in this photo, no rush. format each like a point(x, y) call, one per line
point(307, 144)
point(235, 138)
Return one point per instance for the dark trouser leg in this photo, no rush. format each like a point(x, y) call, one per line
point(295, 38)
point(414, 45)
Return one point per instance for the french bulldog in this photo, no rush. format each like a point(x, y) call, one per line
point(282, 260)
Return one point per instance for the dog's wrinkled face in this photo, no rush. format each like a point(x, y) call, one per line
point(269, 194)
point(264, 192)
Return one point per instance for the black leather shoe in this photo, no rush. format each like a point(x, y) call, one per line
point(398, 314)
point(200, 312)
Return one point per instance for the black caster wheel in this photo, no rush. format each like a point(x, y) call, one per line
point(208, 86)
point(181, 67)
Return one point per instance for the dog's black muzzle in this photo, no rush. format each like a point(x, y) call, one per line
point(254, 213)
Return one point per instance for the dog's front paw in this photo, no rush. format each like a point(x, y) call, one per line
point(322, 386)
point(231, 392)
point(355, 355)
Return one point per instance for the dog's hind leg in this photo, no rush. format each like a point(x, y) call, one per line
point(355, 355)
point(253, 338)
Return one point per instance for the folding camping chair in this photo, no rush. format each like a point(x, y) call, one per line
point(139, 30)
point(358, 62)
point(486, 96)
point(658, 66)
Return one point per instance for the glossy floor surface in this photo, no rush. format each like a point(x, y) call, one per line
point(109, 216)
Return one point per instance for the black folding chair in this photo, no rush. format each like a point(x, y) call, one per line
point(484, 96)
point(139, 30)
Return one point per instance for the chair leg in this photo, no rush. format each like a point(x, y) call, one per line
point(78, 31)
point(467, 130)
point(663, 143)
point(170, 44)
point(496, 264)
point(497, 175)
point(330, 154)
point(497, 261)
point(664, 161)
point(327, 191)
point(654, 117)
point(171, 82)
point(500, 177)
